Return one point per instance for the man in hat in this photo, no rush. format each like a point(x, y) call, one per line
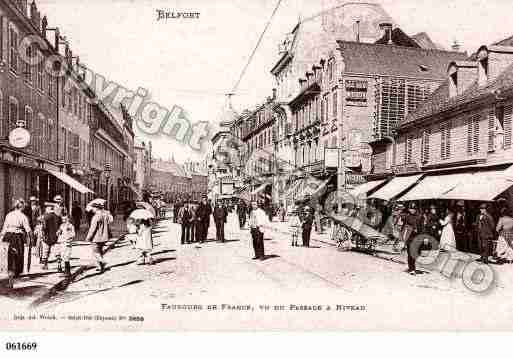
point(258, 221)
point(59, 207)
point(485, 231)
point(203, 213)
point(184, 218)
point(33, 211)
point(76, 216)
point(98, 233)
point(52, 223)
point(461, 227)
point(307, 223)
point(220, 218)
point(432, 225)
point(410, 230)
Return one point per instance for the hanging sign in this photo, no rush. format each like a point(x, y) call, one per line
point(19, 137)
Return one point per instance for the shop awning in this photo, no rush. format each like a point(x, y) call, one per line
point(314, 188)
point(395, 187)
point(70, 181)
point(481, 186)
point(435, 186)
point(365, 188)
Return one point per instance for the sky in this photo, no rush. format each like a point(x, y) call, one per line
point(192, 63)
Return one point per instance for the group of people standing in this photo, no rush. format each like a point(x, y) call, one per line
point(194, 220)
point(46, 229)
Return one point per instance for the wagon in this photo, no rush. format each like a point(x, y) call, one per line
point(363, 236)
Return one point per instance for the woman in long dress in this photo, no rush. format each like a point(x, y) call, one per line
point(447, 239)
point(232, 229)
point(144, 242)
point(505, 241)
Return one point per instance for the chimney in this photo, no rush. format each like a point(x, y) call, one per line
point(44, 25)
point(274, 94)
point(357, 30)
point(35, 16)
point(456, 46)
point(462, 74)
point(57, 37)
point(387, 31)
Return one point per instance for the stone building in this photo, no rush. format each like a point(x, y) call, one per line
point(142, 167)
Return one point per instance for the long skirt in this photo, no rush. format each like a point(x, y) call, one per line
point(16, 252)
point(505, 246)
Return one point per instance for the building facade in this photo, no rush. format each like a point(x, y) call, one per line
point(142, 167)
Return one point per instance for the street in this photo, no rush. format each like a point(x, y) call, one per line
point(215, 274)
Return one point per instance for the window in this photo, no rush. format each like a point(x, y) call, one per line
point(28, 67)
point(424, 154)
point(408, 151)
point(50, 80)
point(335, 104)
point(473, 134)
point(13, 50)
point(416, 95)
point(40, 75)
point(28, 119)
point(74, 147)
point(13, 113)
point(445, 143)
point(327, 102)
point(356, 93)
point(507, 114)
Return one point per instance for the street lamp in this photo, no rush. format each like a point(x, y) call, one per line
point(107, 169)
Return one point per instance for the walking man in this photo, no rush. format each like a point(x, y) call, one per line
point(258, 220)
point(410, 230)
point(59, 209)
point(220, 216)
point(485, 231)
point(307, 223)
point(98, 233)
point(184, 218)
point(76, 216)
point(203, 219)
point(52, 223)
point(241, 212)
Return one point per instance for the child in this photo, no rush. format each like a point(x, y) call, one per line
point(145, 242)
point(131, 227)
point(39, 235)
point(65, 236)
point(295, 226)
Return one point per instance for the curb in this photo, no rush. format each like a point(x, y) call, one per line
point(63, 283)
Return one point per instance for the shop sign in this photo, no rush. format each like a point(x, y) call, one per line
point(227, 188)
point(331, 157)
point(19, 137)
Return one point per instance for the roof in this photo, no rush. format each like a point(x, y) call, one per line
point(313, 37)
point(172, 167)
point(401, 61)
point(440, 100)
point(424, 41)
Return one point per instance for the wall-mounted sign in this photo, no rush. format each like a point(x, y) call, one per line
point(227, 188)
point(19, 137)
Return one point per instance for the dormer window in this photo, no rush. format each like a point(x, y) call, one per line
point(482, 67)
point(453, 82)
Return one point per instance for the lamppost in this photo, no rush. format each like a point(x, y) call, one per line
point(107, 169)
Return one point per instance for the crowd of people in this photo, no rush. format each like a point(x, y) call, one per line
point(49, 229)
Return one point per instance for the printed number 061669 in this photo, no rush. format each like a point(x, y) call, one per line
point(20, 346)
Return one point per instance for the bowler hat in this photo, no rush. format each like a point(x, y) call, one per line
point(49, 204)
point(57, 198)
point(413, 205)
point(460, 203)
point(33, 199)
point(483, 206)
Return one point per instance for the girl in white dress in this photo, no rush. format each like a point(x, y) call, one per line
point(447, 239)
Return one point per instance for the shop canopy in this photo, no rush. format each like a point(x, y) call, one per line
point(395, 187)
point(363, 189)
point(70, 181)
point(314, 187)
point(435, 186)
point(260, 189)
point(481, 186)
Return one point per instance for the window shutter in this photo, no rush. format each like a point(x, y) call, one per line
point(491, 130)
point(507, 125)
point(448, 141)
point(476, 121)
point(470, 130)
point(425, 145)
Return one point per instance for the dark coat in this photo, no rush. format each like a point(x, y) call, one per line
point(220, 214)
point(203, 213)
point(32, 215)
point(51, 226)
point(485, 226)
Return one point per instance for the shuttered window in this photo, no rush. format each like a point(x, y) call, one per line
point(425, 145)
point(508, 110)
point(491, 130)
point(13, 50)
point(473, 134)
point(408, 150)
point(445, 147)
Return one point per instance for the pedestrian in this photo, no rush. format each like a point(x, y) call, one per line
point(33, 211)
point(144, 242)
point(295, 226)
point(258, 222)
point(59, 208)
point(461, 227)
point(98, 233)
point(220, 218)
point(447, 239)
point(318, 217)
point(76, 216)
point(375, 216)
point(194, 220)
point(485, 231)
point(203, 219)
point(131, 228)
point(432, 225)
point(184, 218)
point(410, 230)
point(15, 231)
point(505, 240)
point(241, 212)
point(65, 236)
point(52, 223)
point(306, 224)
point(39, 235)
